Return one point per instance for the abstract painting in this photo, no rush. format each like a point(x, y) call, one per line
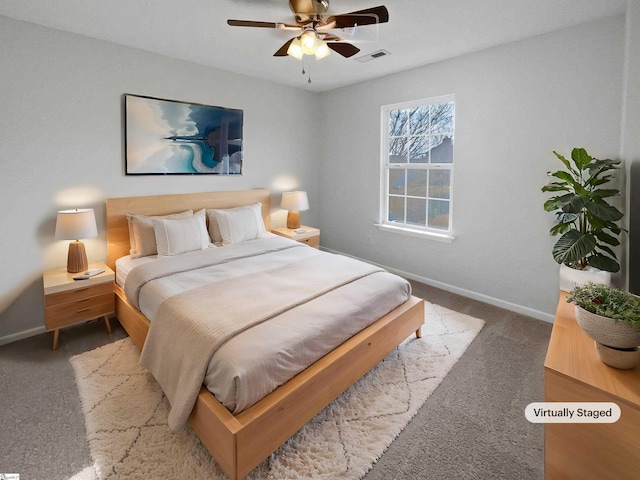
point(167, 137)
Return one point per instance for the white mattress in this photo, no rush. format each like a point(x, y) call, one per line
point(258, 360)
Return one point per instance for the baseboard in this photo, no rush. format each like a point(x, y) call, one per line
point(14, 337)
point(512, 307)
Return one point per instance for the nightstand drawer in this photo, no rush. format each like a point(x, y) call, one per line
point(311, 241)
point(88, 308)
point(78, 294)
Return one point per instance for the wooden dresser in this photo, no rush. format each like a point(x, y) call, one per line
point(573, 372)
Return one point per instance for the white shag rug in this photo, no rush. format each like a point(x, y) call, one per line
point(125, 412)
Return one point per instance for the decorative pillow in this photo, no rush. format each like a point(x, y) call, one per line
point(141, 235)
point(213, 227)
point(180, 235)
point(239, 224)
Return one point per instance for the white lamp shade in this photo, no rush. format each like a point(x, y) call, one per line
point(76, 224)
point(309, 42)
point(295, 201)
point(295, 49)
point(322, 50)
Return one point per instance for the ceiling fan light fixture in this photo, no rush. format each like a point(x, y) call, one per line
point(323, 50)
point(314, 24)
point(295, 49)
point(309, 42)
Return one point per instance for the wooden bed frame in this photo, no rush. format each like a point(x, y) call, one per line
point(239, 443)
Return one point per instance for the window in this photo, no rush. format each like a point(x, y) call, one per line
point(417, 165)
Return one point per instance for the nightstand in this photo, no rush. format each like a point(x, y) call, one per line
point(69, 302)
point(311, 237)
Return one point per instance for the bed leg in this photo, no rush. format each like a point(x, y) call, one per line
point(419, 333)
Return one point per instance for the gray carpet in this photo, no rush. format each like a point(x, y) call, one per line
point(472, 426)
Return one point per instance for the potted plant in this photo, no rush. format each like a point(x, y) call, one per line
point(585, 221)
point(611, 317)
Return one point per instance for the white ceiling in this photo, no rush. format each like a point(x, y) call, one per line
point(419, 31)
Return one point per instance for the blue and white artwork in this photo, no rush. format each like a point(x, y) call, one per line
point(165, 137)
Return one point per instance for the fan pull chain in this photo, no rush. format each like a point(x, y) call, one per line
point(306, 71)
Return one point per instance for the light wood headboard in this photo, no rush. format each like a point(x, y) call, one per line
point(118, 229)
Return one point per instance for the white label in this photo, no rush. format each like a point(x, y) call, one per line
point(572, 412)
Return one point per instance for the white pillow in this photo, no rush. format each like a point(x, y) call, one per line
point(180, 235)
point(141, 235)
point(241, 223)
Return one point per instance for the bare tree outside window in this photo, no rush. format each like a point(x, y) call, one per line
point(418, 164)
point(414, 132)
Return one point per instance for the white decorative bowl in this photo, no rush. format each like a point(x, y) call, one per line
point(606, 331)
point(624, 359)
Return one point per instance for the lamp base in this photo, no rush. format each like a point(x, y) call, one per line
point(77, 258)
point(293, 219)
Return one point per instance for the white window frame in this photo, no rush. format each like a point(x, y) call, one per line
point(401, 227)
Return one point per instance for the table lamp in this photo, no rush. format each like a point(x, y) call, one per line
point(294, 202)
point(74, 225)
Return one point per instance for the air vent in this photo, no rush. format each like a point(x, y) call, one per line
point(373, 56)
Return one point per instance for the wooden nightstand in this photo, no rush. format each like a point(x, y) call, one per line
point(69, 302)
point(311, 237)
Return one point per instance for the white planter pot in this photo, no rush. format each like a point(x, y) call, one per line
point(571, 278)
point(623, 359)
point(606, 331)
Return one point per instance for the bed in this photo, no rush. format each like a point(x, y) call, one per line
point(239, 442)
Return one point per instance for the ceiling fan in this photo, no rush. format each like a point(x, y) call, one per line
point(315, 24)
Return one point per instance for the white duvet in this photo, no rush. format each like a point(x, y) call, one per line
point(255, 362)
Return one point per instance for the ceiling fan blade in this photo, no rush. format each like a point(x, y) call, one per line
point(330, 37)
point(368, 16)
point(282, 51)
point(251, 23)
point(345, 49)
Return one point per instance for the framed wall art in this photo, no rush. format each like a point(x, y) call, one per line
point(167, 137)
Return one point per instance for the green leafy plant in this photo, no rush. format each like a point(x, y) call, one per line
point(608, 302)
point(585, 220)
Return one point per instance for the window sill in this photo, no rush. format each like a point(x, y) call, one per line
point(438, 237)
